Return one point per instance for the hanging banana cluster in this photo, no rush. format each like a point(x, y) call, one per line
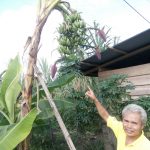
point(72, 35)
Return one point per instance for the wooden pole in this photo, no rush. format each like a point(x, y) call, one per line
point(55, 110)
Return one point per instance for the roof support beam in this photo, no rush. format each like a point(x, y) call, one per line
point(135, 52)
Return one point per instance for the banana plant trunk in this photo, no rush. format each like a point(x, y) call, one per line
point(33, 45)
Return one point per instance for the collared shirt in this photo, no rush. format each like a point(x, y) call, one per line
point(142, 143)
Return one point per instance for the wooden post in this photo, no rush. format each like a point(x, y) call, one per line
point(55, 110)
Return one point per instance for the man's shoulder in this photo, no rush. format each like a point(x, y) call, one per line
point(113, 120)
point(142, 144)
point(114, 124)
point(146, 143)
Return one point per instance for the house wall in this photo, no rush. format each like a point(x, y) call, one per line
point(138, 75)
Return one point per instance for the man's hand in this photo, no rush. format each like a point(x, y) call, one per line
point(101, 110)
point(91, 94)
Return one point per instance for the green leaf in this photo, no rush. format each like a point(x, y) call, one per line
point(5, 129)
point(61, 81)
point(13, 69)
point(1, 102)
point(57, 83)
point(46, 110)
point(19, 132)
point(64, 104)
point(5, 116)
point(11, 96)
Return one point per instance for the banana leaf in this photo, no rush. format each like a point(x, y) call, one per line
point(57, 83)
point(5, 129)
point(19, 132)
point(10, 87)
point(11, 96)
point(46, 110)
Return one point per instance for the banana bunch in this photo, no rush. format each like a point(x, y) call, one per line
point(71, 34)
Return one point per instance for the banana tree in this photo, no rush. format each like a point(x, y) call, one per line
point(13, 128)
point(45, 8)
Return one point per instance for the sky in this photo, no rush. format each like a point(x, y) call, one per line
point(18, 20)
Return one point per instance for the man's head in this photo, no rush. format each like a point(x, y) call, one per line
point(134, 118)
point(133, 108)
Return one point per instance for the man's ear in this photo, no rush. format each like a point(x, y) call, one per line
point(142, 126)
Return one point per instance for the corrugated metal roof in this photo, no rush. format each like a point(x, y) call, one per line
point(131, 52)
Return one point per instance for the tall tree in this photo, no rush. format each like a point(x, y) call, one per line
point(45, 8)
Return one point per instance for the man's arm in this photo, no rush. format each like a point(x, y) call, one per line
point(101, 110)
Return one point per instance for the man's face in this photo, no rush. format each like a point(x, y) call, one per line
point(132, 124)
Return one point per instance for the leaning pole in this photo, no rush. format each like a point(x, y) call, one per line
point(55, 110)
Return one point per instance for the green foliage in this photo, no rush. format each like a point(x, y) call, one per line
point(57, 83)
point(61, 81)
point(45, 110)
point(46, 134)
point(10, 89)
point(113, 90)
point(78, 117)
point(88, 141)
point(45, 69)
point(14, 134)
point(42, 133)
point(12, 129)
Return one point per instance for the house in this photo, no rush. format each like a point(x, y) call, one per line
point(131, 57)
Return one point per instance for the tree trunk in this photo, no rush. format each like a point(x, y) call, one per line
point(109, 138)
point(33, 45)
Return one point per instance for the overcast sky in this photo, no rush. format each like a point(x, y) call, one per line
point(17, 22)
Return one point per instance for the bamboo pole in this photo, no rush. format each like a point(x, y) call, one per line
point(55, 110)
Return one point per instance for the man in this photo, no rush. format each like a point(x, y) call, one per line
point(129, 132)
